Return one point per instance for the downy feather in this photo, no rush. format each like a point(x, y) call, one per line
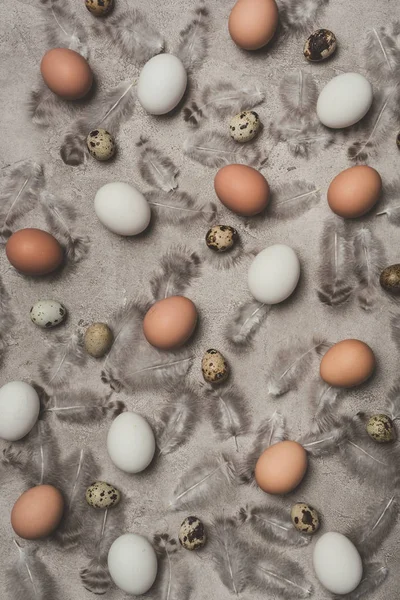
point(179, 207)
point(324, 399)
point(19, 194)
point(28, 577)
point(82, 406)
point(279, 575)
point(64, 29)
point(299, 16)
point(393, 401)
point(374, 574)
point(178, 267)
point(274, 524)
point(335, 271)
point(229, 411)
point(327, 441)
point(45, 108)
point(391, 197)
point(223, 98)
point(290, 200)
point(60, 218)
point(177, 420)
point(291, 363)
point(228, 259)
point(132, 34)
point(214, 149)
point(269, 432)
point(301, 135)
point(230, 555)
point(173, 579)
point(377, 522)
point(369, 256)
point(7, 318)
point(155, 168)
point(382, 52)
point(193, 39)
point(201, 481)
point(64, 355)
point(247, 319)
point(298, 93)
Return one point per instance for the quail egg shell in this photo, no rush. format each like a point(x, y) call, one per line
point(102, 495)
point(305, 518)
point(98, 339)
point(381, 429)
point(390, 279)
point(101, 144)
point(320, 45)
point(221, 238)
point(48, 313)
point(99, 7)
point(192, 535)
point(214, 366)
point(244, 126)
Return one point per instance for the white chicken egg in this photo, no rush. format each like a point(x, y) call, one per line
point(274, 274)
point(132, 564)
point(122, 208)
point(19, 410)
point(344, 100)
point(337, 563)
point(130, 442)
point(162, 83)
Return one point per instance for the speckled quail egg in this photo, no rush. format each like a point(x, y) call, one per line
point(221, 238)
point(381, 429)
point(244, 126)
point(305, 518)
point(390, 279)
point(192, 535)
point(102, 495)
point(320, 45)
point(48, 313)
point(99, 7)
point(101, 144)
point(98, 339)
point(214, 366)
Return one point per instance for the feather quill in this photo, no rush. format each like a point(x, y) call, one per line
point(63, 356)
point(28, 577)
point(293, 199)
point(224, 99)
point(382, 52)
point(155, 168)
point(291, 363)
point(19, 195)
point(173, 580)
point(247, 319)
point(298, 93)
point(179, 207)
point(275, 573)
point(82, 406)
point(132, 34)
point(214, 149)
point(369, 256)
point(299, 16)
point(197, 485)
point(376, 524)
point(64, 29)
point(228, 411)
point(391, 196)
point(337, 261)
point(177, 420)
point(273, 523)
point(269, 432)
point(327, 441)
point(393, 402)
point(60, 217)
point(374, 575)
point(193, 39)
point(178, 268)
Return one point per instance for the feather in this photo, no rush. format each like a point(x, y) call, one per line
point(230, 555)
point(83, 406)
point(319, 443)
point(44, 107)
point(19, 195)
point(223, 98)
point(155, 168)
point(132, 34)
point(291, 363)
point(197, 485)
point(64, 30)
point(382, 52)
point(64, 355)
point(28, 577)
point(214, 149)
point(73, 150)
point(229, 411)
point(180, 207)
point(298, 93)
point(301, 136)
point(269, 432)
point(380, 122)
point(178, 267)
point(299, 16)
point(337, 261)
point(369, 256)
point(100, 532)
point(391, 194)
point(376, 524)
point(60, 217)
point(227, 259)
point(275, 573)
point(245, 322)
point(393, 402)
point(395, 330)
point(193, 39)
point(177, 420)
point(79, 469)
point(7, 318)
point(374, 575)
point(293, 199)
point(173, 581)
point(324, 397)
point(274, 524)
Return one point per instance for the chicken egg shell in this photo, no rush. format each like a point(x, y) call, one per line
point(347, 364)
point(130, 442)
point(337, 563)
point(162, 83)
point(274, 273)
point(122, 208)
point(344, 100)
point(132, 563)
point(252, 23)
point(19, 410)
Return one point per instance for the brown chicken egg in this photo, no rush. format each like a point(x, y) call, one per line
point(281, 467)
point(252, 23)
point(242, 189)
point(37, 512)
point(170, 322)
point(66, 73)
point(347, 364)
point(354, 191)
point(34, 252)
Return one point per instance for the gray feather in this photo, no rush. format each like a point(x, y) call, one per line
point(64, 355)
point(174, 578)
point(391, 198)
point(155, 168)
point(228, 411)
point(193, 39)
point(324, 399)
point(274, 524)
point(377, 522)
point(247, 319)
point(290, 200)
point(178, 419)
point(276, 573)
point(374, 574)
point(393, 401)
point(382, 52)
point(180, 207)
point(178, 268)
point(45, 108)
point(300, 16)
point(302, 136)
point(64, 29)
point(298, 93)
point(369, 256)
point(28, 577)
point(214, 149)
point(318, 443)
point(82, 406)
